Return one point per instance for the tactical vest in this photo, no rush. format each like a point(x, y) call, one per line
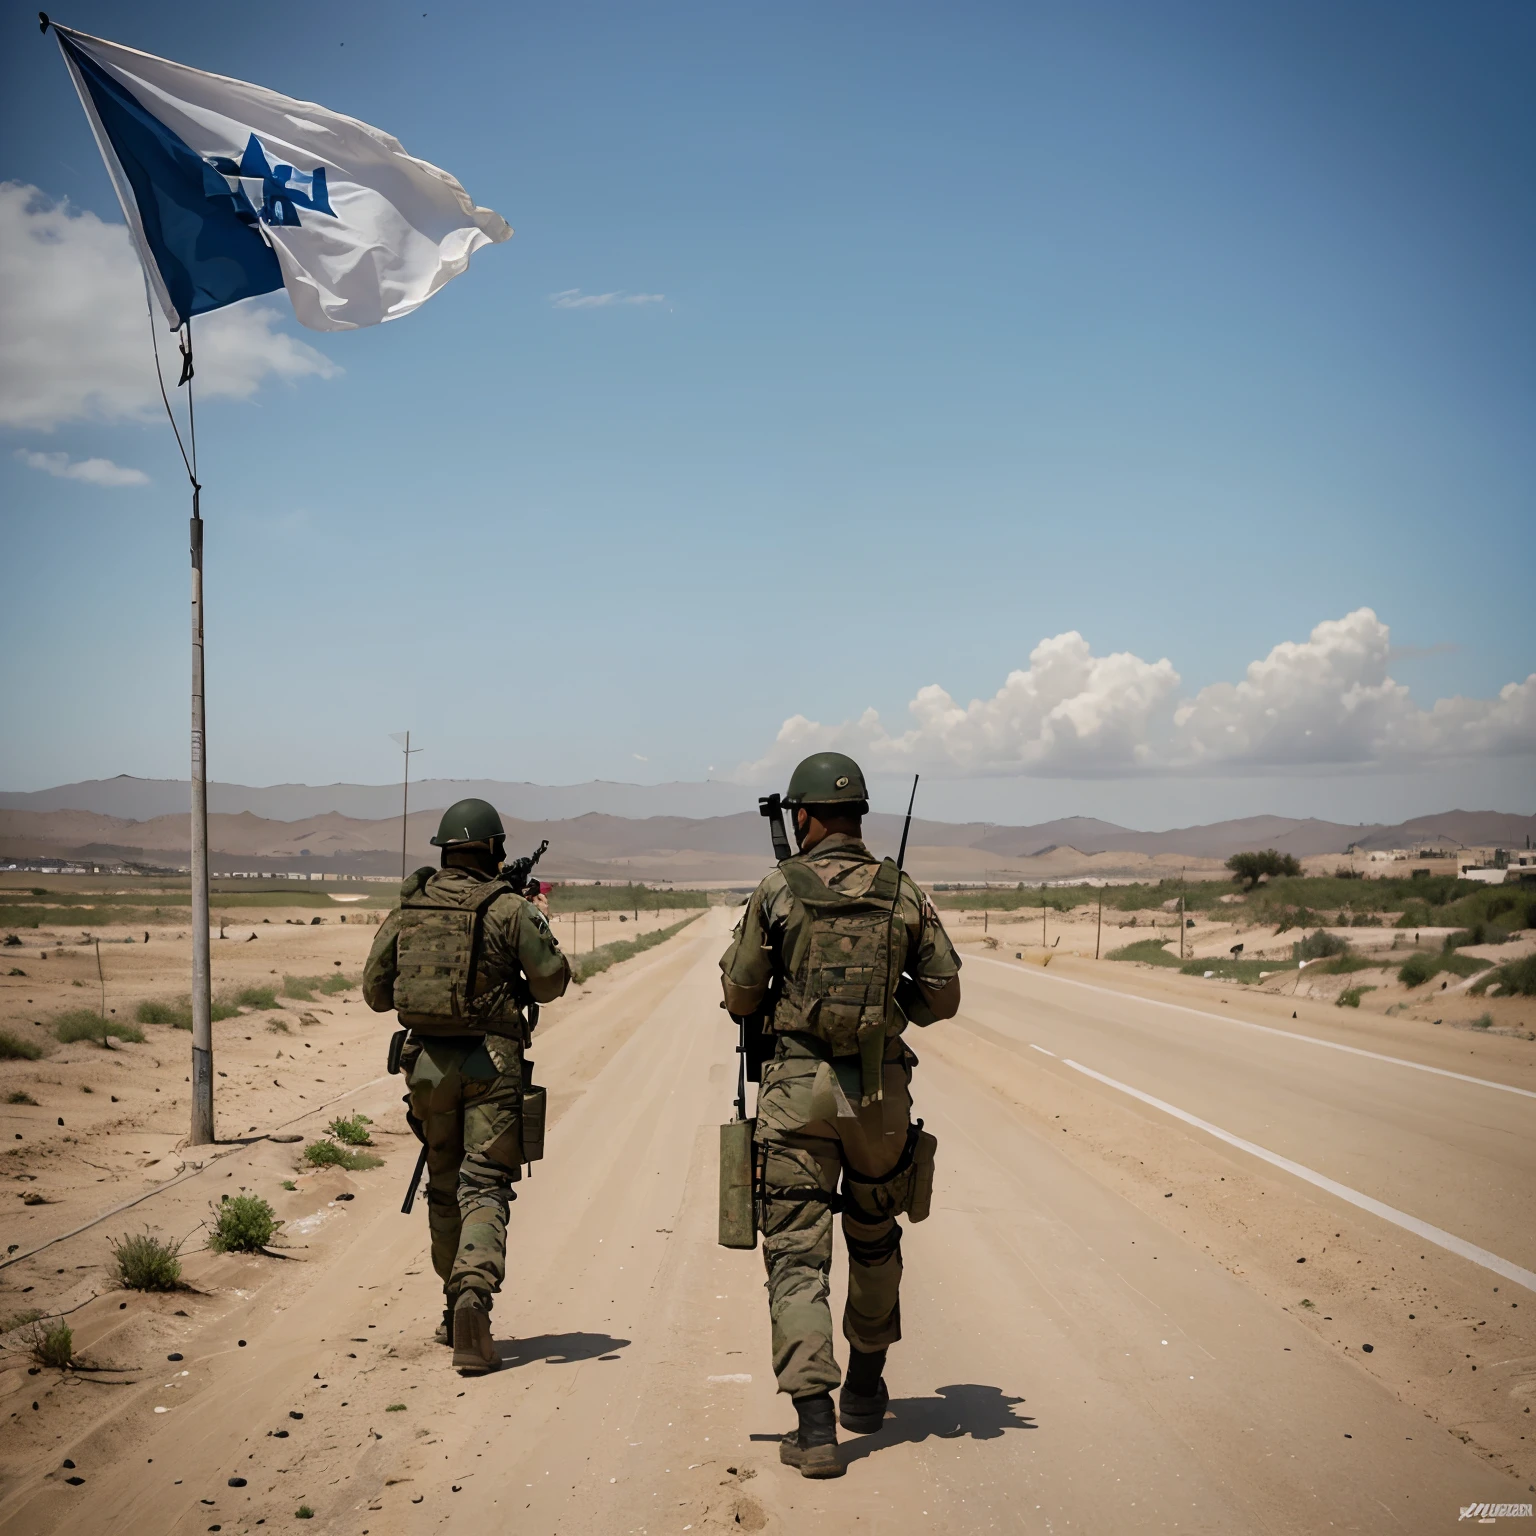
point(439, 986)
point(843, 966)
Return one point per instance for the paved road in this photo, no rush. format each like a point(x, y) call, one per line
point(1072, 1361)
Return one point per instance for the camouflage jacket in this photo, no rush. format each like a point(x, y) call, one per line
point(766, 934)
point(519, 959)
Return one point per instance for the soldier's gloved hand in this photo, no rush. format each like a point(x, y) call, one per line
point(541, 901)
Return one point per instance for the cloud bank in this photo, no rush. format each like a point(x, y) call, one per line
point(92, 471)
point(1327, 702)
point(74, 328)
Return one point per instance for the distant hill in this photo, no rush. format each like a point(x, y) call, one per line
point(604, 844)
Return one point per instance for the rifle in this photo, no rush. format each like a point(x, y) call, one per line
point(518, 873)
point(909, 996)
point(410, 1194)
point(772, 806)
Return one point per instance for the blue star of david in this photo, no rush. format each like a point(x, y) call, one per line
point(284, 190)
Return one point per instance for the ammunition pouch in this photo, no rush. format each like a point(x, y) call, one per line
point(740, 1185)
point(531, 1121)
point(907, 1190)
point(396, 1045)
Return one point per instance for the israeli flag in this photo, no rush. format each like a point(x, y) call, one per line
point(232, 190)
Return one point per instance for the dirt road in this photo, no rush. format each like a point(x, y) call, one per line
point(1110, 1326)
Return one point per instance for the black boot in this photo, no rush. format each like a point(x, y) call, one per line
point(812, 1447)
point(862, 1402)
point(444, 1334)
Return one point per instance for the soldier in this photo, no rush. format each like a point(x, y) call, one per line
point(460, 959)
point(840, 952)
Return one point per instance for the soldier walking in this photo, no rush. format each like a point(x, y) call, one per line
point(839, 951)
point(461, 960)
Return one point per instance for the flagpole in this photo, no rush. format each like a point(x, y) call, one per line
point(202, 961)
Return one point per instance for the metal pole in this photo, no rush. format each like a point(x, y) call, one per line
point(202, 964)
point(1042, 917)
point(1099, 936)
point(405, 803)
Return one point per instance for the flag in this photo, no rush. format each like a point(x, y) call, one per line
point(232, 190)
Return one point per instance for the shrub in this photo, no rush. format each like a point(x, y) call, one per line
point(178, 1012)
point(1320, 945)
point(1150, 951)
point(20, 1319)
point(256, 997)
point(15, 1048)
point(51, 1344)
point(242, 1224)
point(1249, 867)
point(1418, 969)
point(1351, 997)
point(20, 1096)
point(326, 1154)
point(585, 967)
point(278, 1027)
point(1478, 933)
point(353, 1130)
point(1517, 978)
point(146, 1263)
point(303, 1512)
point(395, 1408)
point(82, 1024)
point(1483, 1021)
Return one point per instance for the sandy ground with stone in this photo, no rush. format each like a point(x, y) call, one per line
point(1115, 1319)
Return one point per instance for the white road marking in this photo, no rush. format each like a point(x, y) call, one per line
point(1267, 1029)
point(1041, 1049)
point(1436, 1235)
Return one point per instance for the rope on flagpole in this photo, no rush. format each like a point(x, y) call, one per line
point(186, 378)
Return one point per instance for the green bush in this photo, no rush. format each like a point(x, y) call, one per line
point(1245, 971)
point(303, 988)
point(1320, 945)
point(1150, 951)
point(1515, 978)
point(242, 1224)
point(1483, 1021)
point(178, 1012)
point(20, 1096)
point(1351, 997)
point(83, 1024)
point(1421, 968)
point(1250, 867)
point(1479, 933)
point(326, 1154)
point(303, 1512)
point(256, 997)
point(20, 1319)
point(18, 1048)
point(353, 1130)
point(52, 1344)
point(146, 1263)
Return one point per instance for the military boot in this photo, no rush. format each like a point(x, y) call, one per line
point(862, 1403)
point(444, 1334)
point(812, 1445)
point(473, 1351)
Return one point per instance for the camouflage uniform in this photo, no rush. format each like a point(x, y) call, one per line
point(466, 1089)
point(813, 1132)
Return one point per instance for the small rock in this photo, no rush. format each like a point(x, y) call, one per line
point(74, 1482)
point(1367, 1347)
point(346, 1195)
point(173, 1357)
point(242, 1343)
point(1301, 1261)
point(68, 1463)
point(294, 1414)
point(237, 1482)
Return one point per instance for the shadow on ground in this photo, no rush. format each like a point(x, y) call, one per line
point(558, 1348)
point(953, 1413)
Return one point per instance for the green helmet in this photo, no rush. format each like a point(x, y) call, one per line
point(470, 821)
point(827, 778)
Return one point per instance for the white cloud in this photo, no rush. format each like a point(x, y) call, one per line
point(574, 298)
point(1326, 701)
point(92, 471)
point(74, 328)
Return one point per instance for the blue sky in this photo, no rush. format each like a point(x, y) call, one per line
point(1187, 328)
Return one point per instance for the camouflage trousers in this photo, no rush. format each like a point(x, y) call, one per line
point(809, 1132)
point(468, 1095)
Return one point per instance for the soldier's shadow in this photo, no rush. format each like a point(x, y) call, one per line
point(958, 1412)
point(559, 1348)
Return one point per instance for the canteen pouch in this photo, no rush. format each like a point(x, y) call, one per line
point(738, 1206)
point(531, 1130)
point(920, 1200)
point(396, 1045)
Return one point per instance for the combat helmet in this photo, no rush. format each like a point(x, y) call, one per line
point(469, 821)
point(828, 778)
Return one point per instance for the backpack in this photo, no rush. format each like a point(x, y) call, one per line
point(843, 965)
point(437, 956)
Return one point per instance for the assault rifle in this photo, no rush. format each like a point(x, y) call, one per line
point(518, 873)
point(772, 806)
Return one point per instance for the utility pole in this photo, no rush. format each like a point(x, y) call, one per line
point(1098, 937)
point(1042, 917)
point(404, 739)
point(1181, 914)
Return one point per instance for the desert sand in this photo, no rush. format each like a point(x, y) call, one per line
point(1115, 1320)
